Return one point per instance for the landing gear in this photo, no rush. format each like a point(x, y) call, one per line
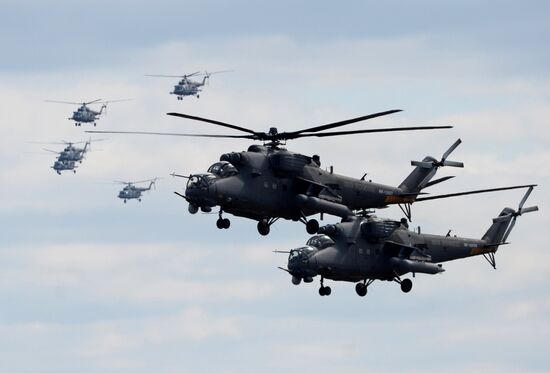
point(312, 226)
point(263, 227)
point(124, 201)
point(324, 290)
point(198, 96)
point(406, 285)
point(296, 280)
point(94, 124)
point(361, 289)
point(139, 199)
point(223, 223)
point(193, 209)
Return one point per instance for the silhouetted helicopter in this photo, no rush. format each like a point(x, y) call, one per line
point(268, 182)
point(367, 248)
point(71, 152)
point(130, 191)
point(84, 114)
point(188, 87)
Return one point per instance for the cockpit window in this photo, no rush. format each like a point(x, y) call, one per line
point(320, 241)
point(300, 254)
point(200, 181)
point(223, 169)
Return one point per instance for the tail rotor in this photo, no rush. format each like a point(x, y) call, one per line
point(514, 214)
point(426, 163)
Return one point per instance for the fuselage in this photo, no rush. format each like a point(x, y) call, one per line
point(269, 182)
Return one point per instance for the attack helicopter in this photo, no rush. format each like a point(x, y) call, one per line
point(366, 248)
point(130, 191)
point(268, 182)
point(188, 87)
point(84, 114)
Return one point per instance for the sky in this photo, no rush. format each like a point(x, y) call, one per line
point(89, 283)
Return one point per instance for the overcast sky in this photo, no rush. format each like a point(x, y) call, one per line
point(91, 284)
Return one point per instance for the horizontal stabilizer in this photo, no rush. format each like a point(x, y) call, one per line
point(437, 182)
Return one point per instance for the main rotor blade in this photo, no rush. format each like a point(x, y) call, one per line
point(473, 192)
point(395, 129)
point(64, 102)
point(340, 123)
point(91, 102)
point(218, 72)
point(120, 100)
point(164, 76)
point(174, 134)
point(211, 121)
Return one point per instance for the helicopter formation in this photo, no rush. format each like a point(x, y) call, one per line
point(267, 182)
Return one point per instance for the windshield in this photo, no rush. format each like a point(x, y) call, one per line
point(300, 254)
point(320, 241)
point(223, 169)
point(200, 181)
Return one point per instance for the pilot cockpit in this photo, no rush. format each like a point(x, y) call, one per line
point(223, 169)
point(300, 254)
point(200, 181)
point(320, 241)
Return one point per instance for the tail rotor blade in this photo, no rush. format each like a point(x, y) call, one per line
point(453, 164)
point(422, 164)
point(450, 150)
point(505, 237)
point(525, 198)
point(528, 209)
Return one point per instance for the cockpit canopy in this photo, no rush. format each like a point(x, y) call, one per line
point(300, 254)
point(223, 169)
point(320, 241)
point(200, 181)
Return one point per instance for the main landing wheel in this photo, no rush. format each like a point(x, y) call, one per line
point(361, 289)
point(263, 227)
point(124, 201)
point(406, 285)
point(223, 223)
point(324, 290)
point(312, 226)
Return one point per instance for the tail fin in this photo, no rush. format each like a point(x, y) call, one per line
point(425, 170)
point(495, 234)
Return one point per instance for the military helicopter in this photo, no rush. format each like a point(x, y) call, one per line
point(84, 114)
point(268, 182)
point(188, 87)
point(366, 248)
point(71, 152)
point(60, 166)
point(130, 191)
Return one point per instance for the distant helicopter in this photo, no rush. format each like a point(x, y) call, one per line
point(71, 152)
point(363, 249)
point(188, 87)
point(84, 114)
point(60, 166)
point(130, 191)
point(268, 182)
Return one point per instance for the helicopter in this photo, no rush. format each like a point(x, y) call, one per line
point(130, 191)
point(71, 152)
point(268, 182)
point(188, 87)
point(60, 166)
point(84, 114)
point(366, 248)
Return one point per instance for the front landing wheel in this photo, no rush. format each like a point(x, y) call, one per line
point(263, 227)
point(361, 289)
